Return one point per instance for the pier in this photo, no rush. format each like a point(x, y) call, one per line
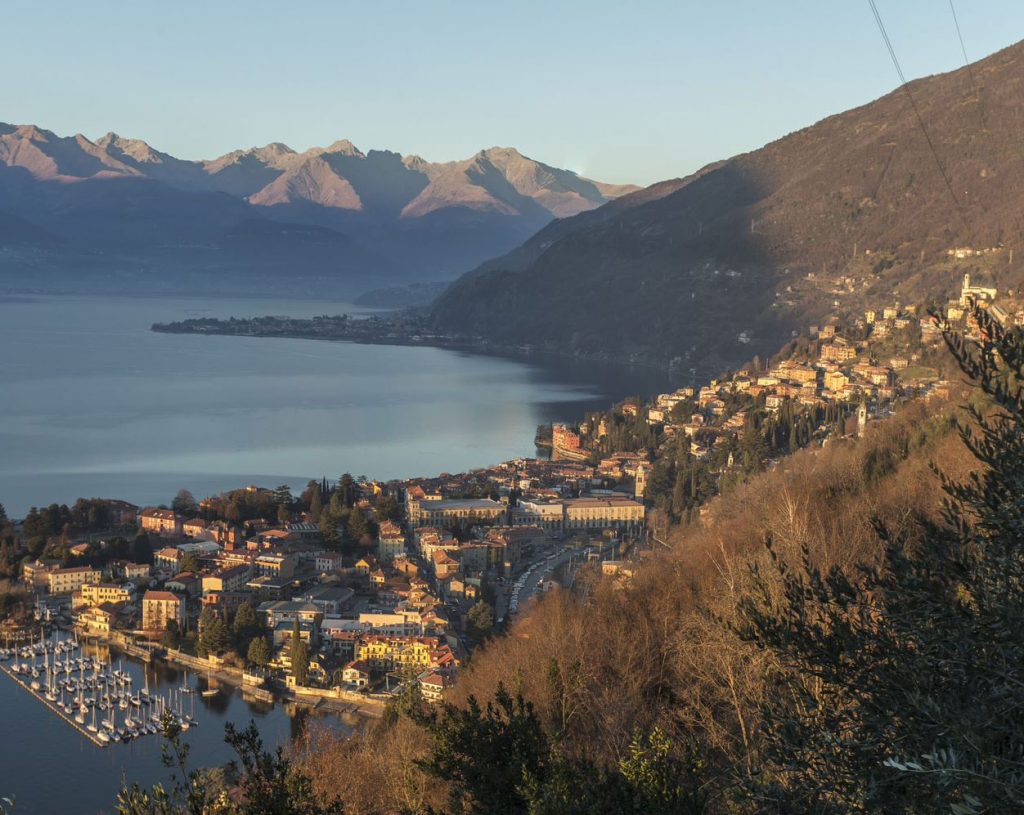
point(53, 707)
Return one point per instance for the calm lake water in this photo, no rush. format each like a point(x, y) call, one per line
point(51, 768)
point(94, 404)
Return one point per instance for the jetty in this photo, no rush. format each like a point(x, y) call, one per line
point(52, 706)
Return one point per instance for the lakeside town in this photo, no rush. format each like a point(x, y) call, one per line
point(354, 591)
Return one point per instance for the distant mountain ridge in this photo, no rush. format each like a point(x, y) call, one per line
point(401, 217)
point(708, 270)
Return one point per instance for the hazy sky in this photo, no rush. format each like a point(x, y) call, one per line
point(627, 91)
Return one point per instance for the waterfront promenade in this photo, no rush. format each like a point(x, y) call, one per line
point(336, 700)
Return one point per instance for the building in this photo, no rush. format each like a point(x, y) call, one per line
point(448, 512)
point(167, 559)
point(275, 566)
point(544, 514)
point(95, 594)
point(838, 351)
point(37, 573)
point(835, 380)
point(969, 295)
point(230, 578)
point(99, 619)
point(603, 513)
point(390, 542)
point(564, 439)
point(433, 685)
point(389, 653)
point(127, 570)
point(331, 600)
point(278, 612)
point(186, 583)
point(160, 521)
point(196, 528)
point(159, 608)
point(65, 581)
point(356, 673)
point(329, 562)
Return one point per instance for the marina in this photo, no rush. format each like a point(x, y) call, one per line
point(91, 696)
point(91, 774)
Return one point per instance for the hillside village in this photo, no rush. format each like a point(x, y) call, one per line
point(831, 380)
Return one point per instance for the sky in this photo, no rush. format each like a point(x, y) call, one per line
point(627, 92)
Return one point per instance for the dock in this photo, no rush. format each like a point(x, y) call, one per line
point(53, 707)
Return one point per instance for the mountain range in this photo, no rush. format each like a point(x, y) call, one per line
point(118, 212)
point(710, 269)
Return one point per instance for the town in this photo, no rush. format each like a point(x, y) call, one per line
point(358, 590)
point(288, 598)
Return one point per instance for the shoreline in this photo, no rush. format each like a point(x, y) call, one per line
point(469, 345)
point(270, 693)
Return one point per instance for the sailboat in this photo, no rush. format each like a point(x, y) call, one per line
point(144, 693)
point(210, 690)
point(91, 727)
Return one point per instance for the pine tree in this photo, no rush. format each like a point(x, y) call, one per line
point(298, 654)
point(259, 651)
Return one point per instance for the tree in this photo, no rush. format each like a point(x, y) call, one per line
point(171, 638)
point(897, 681)
point(347, 489)
point(141, 550)
point(213, 633)
point(484, 754)
point(270, 783)
point(480, 620)
point(246, 623)
point(498, 760)
point(191, 792)
point(388, 508)
point(316, 504)
point(3, 517)
point(259, 651)
point(185, 503)
point(189, 563)
point(298, 655)
point(357, 526)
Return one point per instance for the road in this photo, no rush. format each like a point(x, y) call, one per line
point(525, 588)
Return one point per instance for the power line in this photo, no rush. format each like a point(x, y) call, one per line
point(963, 49)
point(970, 69)
point(917, 114)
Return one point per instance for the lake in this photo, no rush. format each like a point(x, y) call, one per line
point(94, 404)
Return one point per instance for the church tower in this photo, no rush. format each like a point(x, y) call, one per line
point(640, 482)
point(862, 418)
